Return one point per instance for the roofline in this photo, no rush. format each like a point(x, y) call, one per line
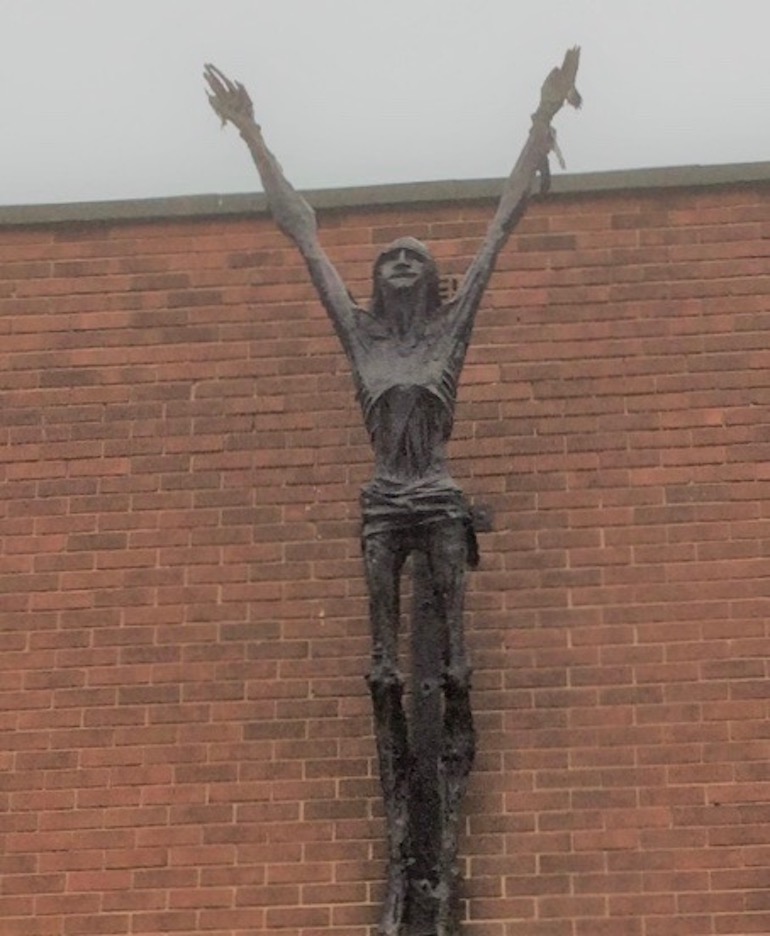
point(402, 193)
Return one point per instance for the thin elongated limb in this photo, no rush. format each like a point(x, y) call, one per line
point(231, 102)
point(532, 162)
point(454, 770)
point(383, 561)
point(291, 212)
point(448, 554)
point(425, 729)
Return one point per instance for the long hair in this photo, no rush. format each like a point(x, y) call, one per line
point(431, 274)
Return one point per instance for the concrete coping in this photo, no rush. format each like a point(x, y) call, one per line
point(407, 193)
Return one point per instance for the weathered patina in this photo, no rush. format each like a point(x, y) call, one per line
point(406, 352)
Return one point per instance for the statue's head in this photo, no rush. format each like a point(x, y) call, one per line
point(403, 265)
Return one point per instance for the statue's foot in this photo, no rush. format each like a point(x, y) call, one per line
point(395, 902)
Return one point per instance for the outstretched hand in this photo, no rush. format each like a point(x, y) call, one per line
point(559, 86)
point(229, 99)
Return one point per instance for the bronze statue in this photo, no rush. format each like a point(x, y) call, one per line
point(406, 353)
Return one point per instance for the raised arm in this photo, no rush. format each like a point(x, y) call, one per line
point(558, 87)
point(291, 212)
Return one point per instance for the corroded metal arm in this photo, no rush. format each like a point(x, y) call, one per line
point(231, 101)
point(293, 215)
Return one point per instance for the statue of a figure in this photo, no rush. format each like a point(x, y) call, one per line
point(406, 353)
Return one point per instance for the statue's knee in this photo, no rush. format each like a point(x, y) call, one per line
point(383, 676)
point(457, 678)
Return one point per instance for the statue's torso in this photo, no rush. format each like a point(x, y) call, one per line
point(407, 391)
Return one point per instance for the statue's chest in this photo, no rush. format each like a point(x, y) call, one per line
point(382, 365)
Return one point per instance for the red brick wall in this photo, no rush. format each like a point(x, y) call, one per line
point(186, 735)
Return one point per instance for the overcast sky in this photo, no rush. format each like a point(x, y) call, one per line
point(104, 99)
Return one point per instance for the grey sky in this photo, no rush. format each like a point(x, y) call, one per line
point(104, 98)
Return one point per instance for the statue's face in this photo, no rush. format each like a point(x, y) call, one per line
point(401, 268)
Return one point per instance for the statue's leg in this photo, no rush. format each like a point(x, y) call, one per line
point(384, 557)
point(448, 553)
